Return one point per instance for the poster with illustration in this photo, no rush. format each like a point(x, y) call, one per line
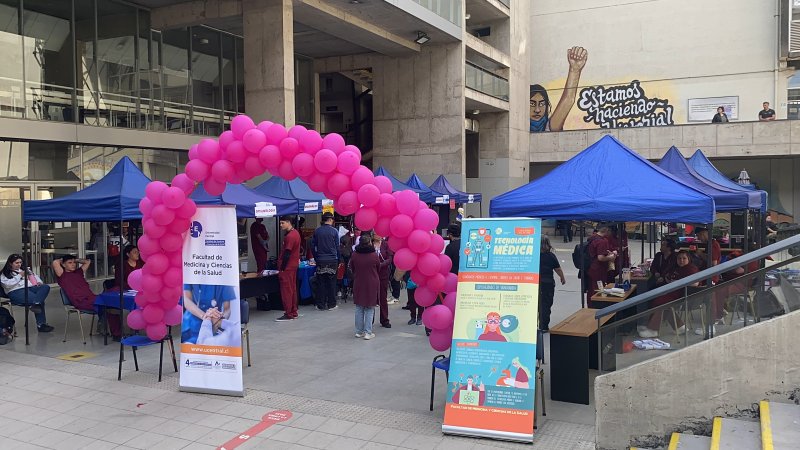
point(493, 356)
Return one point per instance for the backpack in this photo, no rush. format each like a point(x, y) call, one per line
point(6, 326)
point(580, 256)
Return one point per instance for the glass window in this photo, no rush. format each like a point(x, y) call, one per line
point(144, 73)
point(175, 77)
point(206, 81)
point(304, 91)
point(37, 161)
point(98, 161)
point(228, 78)
point(11, 87)
point(155, 103)
point(86, 70)
point(240, 74)
point(47, 49)
point(116, 64)
point(161, 165)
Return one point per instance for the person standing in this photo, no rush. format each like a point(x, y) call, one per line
point(601, 255)
point(385, 256)
point(259, 241)
point(766, 113)
point(454, 247)
point(548, 263)
point(288, 263)
point(720, 116)
point(325, 246)
point(133, 261)
point(365, 264)
point(13, 281)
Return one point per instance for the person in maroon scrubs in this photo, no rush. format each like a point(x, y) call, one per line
point(259, 239)
point(601, 254)
point(288, 262)
point(683, 269)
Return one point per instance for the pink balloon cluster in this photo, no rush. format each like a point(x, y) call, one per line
point(327, 165)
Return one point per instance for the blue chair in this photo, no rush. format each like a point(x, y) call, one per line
point(440, 362)
point(70, 310)
point(244, 308)
point(136, 341)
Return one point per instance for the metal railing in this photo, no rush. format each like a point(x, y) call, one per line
point(700, 313)
point(481, 80)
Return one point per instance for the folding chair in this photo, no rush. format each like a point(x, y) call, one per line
point(5, 302)
point(245, 319)
point(70, 309)
point(136, 341)
point(440, 362)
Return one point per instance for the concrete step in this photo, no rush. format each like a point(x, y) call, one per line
point(780, 425)
point(680, 441)
point(733, 434)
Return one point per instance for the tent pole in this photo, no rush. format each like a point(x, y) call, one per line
point(746, 243)
point(644, 236)
point(583, 267)
point(122, 279)
point(25, 247)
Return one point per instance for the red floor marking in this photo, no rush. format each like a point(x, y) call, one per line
point(269, 419)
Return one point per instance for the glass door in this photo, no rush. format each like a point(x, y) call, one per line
point(11, 197)
point(52, 240)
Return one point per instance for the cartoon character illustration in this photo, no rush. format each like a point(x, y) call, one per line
point(521, 378)
point(541, 120)
point(468, 394)
point(492, 331)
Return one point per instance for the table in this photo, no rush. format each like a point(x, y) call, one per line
point(266, 290)
point(573, 351)
point(605, 298)
point(304, 274)
point(110, 299)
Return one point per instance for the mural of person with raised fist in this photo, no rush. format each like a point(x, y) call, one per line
point(541, 118)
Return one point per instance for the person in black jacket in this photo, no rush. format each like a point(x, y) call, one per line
point(325, 245)
point(720, 116)
point(452, 249)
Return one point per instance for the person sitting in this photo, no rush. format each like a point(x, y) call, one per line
point(683, 269)
point(13, 281)
point(72, 280)
point(132, 262)
point(663, 264)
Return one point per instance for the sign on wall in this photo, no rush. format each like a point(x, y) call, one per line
point(704, 109)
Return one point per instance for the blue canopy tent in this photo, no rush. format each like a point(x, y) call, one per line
point(398, 185)
point(607, 182)
point(244, 199)
point(428, 195)
point(442, 185)
point(705, 169)
point(308, 201)
point(725, 199)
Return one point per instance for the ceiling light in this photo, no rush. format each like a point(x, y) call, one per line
point(422, 37)
point(475, 112)
point(467, 17)
point(354, 2)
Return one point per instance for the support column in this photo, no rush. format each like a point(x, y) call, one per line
point(269, 60)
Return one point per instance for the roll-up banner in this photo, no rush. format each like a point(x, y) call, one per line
point(211, 336)
point(493, 353)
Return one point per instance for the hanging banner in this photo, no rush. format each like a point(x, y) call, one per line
point(493, 353)
point(211, 336)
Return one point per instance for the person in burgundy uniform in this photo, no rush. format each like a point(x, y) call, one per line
point(72, 280)
point(683, 269)
point(718, 302)
point(385, 255)
point(600, 254)
point(133, 261)
point(288, 262)
point(491, 332)
point(259, 240)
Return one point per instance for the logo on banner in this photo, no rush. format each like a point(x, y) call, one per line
point(196, 229)
point(266, 209)
point(310, 206)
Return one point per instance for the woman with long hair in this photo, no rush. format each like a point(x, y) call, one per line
point(365, 264)
point(13, 281)
point(491, 332)
point(133, 261)
point(683, 269)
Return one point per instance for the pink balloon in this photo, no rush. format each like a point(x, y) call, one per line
point(163, 215)
point(426, 219)
point(445, 264)
point(222, 170)
point(347, 203)
point(136, 320)
point(325, 161)
point(179, 226)
point(236, 151)
point(348, 162)
point(401, 225)
point(135, 280)
point(334, 142)
point(407, 202)
point(419, 241)
point(303, 164)
point(253, 168)
point(158, 264)
point(197, 170)
point(146, 206)
point(440, 339)
point(423, 296)
point(297, 132)
point(270, 156)
point(214, 186)
point(354, 149)
point(175, 259)
point(275, 134)
point(450, 300)
point(193, 152)
point(383, 184)
point(173, 197)
point(436, 282)
point(423, 206)
point(171, 242)
point(173, 277)
point(419, 278)
point(428, 264)
point(147, 244)
point(253, 140)
point(318, 182)
point(396, 243)
point(450, 283)
point(405, 259)
point(441, 317)
point(152, 229)
point(338, 183)
point(187, 209)
point(289, 148)
point(156, 331)
point(263, 126)
point(286, 171)
point(151, 283)
point(311, 142)
point(360, 177)
point(170, 295)
point(382, 227)
point(387, 205)
point(173, 316)
point(366, 218)
point(183, 182)
point(154, 191)
point(368, 195)
point(240, 125)
point(437, 244)
point(208, 150)
point(226, 138)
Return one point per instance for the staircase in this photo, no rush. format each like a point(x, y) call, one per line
point(778, 429)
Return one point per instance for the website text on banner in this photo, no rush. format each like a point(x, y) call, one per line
point(491, 383)
point(211, 337)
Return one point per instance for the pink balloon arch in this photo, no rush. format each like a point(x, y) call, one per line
point(329, 166)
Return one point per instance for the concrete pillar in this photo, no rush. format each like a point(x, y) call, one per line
point(269, 60)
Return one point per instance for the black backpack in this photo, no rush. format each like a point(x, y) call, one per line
point(580, 256)
point(6, 326)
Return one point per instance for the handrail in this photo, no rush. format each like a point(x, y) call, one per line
point(701, 276)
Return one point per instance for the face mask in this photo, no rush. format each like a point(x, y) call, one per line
point(539, 125)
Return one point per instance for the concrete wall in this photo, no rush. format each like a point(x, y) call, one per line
point(717, 377)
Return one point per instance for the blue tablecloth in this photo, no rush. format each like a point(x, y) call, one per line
point(304, 274)
point(110, 299)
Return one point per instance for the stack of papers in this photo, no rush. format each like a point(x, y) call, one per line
point(267, 273)
point(616, 292)
point(651, 344)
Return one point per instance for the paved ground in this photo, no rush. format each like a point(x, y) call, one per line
point(342, 392)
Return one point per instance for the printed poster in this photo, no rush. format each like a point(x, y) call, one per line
point(211, 336)
point(493, 353)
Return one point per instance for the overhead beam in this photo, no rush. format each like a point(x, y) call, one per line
point(194, 12)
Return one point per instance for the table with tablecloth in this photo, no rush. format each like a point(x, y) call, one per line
point(110, 299)
point(304, 274)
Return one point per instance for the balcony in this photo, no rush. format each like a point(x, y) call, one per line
point(485, 82)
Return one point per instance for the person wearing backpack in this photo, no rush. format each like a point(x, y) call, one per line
point(600, 254)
